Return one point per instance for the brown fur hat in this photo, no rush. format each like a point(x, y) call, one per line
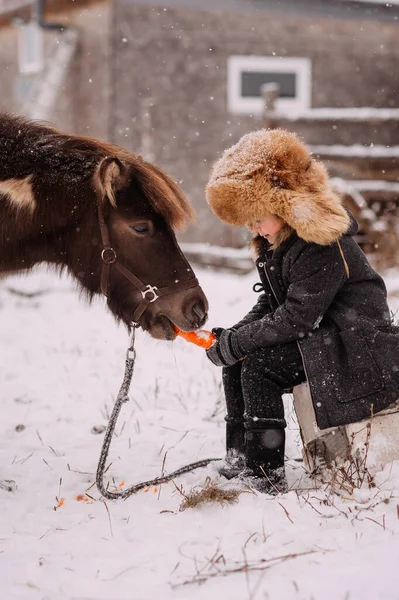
point(271, 171)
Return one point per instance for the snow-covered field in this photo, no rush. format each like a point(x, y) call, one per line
point(61, 365)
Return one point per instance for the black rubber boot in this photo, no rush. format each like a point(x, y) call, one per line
point(235, 435)
point(234, 462)
point(264, 455)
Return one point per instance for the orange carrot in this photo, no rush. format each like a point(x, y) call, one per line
point(201, 338)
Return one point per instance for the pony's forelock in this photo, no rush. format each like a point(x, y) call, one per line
point(162, 193)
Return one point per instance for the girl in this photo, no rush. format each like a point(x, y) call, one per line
point(322, 315)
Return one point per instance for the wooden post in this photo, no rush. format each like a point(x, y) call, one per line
point(270, 93)
point(147, 134)
point(335, 445)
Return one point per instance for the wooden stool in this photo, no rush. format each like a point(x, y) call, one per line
point(377, 438)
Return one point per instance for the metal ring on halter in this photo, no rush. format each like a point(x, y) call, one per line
point(111, 259)
point(131, 352)
point(150, 289)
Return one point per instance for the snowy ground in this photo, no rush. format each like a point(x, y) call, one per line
point(61, 365)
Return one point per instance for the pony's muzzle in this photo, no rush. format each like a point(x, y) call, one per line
point(197, 311)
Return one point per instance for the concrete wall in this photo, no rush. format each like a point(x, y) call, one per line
point(8, 68)
point(82, 104)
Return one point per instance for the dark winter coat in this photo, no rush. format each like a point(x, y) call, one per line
point(341, 323)
point(340, 320)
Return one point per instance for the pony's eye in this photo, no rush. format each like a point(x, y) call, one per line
point(141, 228)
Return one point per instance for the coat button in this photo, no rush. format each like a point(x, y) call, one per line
point(261, 264)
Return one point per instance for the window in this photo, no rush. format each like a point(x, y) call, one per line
point(246, 75)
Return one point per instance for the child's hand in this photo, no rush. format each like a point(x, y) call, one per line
point(225, 351)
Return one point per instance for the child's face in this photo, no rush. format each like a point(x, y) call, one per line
point(268, 227)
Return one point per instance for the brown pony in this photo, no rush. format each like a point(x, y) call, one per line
point(105, 215)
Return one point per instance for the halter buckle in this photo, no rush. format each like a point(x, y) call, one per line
point(150, 289)
point(108, 255)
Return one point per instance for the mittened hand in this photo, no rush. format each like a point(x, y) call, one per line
point(225, 351)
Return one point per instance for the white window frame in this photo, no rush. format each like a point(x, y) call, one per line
point(236, 65)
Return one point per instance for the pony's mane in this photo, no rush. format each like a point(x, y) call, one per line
point(163, 194)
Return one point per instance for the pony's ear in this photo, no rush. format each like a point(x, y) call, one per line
point(110, 176)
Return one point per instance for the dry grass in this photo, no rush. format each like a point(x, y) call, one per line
point(218, 567)
point(208, 494)
point(345, 477)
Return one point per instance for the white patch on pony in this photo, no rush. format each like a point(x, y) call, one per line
point(302, 212)
point(19, 193)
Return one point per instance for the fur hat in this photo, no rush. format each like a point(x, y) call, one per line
point(271, 171)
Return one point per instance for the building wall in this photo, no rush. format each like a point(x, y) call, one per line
point(176, 60)
point(8, 67)
point(154, 80)
point(82, 104)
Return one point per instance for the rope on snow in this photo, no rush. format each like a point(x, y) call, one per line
point(120, 400)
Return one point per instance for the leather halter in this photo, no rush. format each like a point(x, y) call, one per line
point(149, 292)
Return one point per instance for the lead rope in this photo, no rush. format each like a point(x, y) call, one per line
point(121, 399)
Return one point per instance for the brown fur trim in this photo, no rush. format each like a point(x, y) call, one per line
point(272, 171)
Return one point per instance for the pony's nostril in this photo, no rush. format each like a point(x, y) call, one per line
point(199, 312)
